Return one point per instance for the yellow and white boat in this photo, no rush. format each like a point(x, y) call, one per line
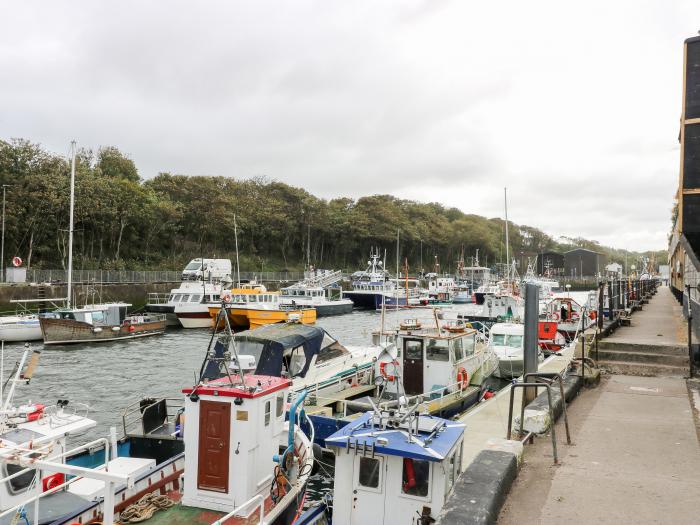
point(254, 309)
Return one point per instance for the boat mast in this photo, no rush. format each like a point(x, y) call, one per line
point(70, 226)
point(505, 198)
point(235, 236)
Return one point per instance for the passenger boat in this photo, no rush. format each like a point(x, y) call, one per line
point(441, 290)
point(98, 323)
point(254, 310)
point(193, 310)
point(188, 298)
point(319, 291)
point(391, 466)
point(492, 303)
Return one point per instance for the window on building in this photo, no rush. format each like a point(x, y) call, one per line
point(415, 480)
point(370, 470)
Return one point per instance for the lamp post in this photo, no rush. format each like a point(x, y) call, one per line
point(2, 243)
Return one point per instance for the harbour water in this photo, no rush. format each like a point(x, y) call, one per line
point(109, 376)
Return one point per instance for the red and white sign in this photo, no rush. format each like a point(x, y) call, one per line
point(16, 261)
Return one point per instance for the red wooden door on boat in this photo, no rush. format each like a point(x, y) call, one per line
point(214, 438)
point(413, 366)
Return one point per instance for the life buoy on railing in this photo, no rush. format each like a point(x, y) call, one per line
point(554, 315)
point(53, 481)
point(132, 328)
point(463, 377)
point(593, 315)
point(382, 370)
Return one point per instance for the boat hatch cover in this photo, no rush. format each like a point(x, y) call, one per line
point(394, 442)
point(254, 386)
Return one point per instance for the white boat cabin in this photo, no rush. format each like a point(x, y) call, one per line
point(390, 471)
point(232, 433)
point(428, 360)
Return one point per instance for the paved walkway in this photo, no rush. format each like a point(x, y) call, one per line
point(635, 459)
point(660, 322)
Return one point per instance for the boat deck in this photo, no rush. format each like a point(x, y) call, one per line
point(181, 515)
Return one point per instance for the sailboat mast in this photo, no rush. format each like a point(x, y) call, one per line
point(70, 226)
point(238, 265)
point(505, 197)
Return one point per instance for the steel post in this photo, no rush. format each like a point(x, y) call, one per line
point(691, 364)
point(532, 314)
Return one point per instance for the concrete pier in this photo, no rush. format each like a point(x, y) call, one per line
point(635, 459)
point(636, 455)
point(655, 343)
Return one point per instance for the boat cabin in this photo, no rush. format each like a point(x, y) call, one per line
point(282, 350)
point(232, 433)
point(426, 360)
point(392, 470)
point(110, 314)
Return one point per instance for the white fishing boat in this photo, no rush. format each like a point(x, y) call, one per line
point(318, 290)
point(391, 466)
point(190, 303)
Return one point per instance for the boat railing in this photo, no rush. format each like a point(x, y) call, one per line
point(147, 416)
point(355, 378)
point(158, 298)
point(258, 500)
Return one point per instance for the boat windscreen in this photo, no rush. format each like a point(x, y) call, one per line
point(247, 347)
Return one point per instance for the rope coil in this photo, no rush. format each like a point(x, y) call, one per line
point(145, 508)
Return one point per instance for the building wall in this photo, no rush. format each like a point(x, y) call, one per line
point(583, 263)
point(555, 260)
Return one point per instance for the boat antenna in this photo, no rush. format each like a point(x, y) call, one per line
point(505, 198)
point(397, 266)
point(70, 225)
point(383, 297)
point(238, 265)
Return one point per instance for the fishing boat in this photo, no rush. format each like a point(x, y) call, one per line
point(193, 310)
point(98, 323)
point(245, 462)
point(391, 466)
point(188, 298)
point(573, 315)
point(318, 290)
point(373, 288)
point(249, 311)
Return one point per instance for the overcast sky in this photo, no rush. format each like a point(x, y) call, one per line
point(574, 106)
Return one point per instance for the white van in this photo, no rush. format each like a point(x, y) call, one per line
point(206, 269)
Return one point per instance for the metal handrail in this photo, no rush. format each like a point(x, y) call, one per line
point(174, 403)
point(536, 385)
point(257, 498)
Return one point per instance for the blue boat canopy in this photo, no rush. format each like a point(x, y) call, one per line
point(362, 434)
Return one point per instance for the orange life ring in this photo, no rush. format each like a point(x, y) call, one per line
point(132, 328)
point(554, 315)
point(463, 377)
point(382, 370)
point(593, 315)
point(53, 481)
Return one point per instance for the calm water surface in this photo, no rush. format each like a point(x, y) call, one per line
point(109, 376)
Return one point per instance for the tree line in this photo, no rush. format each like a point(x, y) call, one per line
point(124, 222)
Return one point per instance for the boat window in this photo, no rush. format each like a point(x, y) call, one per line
point(254, 348)
point(185, 298)
point(214, 299)
point(297, 361)
point(176, 298)
point(469, 343)
point(370, 469)
point(267, 412)
point(280, 406)
point(416, 477)
point(437, 350)
point(98, 317)
point(450, 474)
point(20, 483)
point(458, 350)
point(514, 341)
point(498, 339)
point(413, 349)
point(332, 351)
point(194, 298)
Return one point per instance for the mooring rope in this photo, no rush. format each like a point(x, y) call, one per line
point(144, 508)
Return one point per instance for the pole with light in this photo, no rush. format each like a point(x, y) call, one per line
point(2, 243)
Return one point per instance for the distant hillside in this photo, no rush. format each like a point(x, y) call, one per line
point(124, 222)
